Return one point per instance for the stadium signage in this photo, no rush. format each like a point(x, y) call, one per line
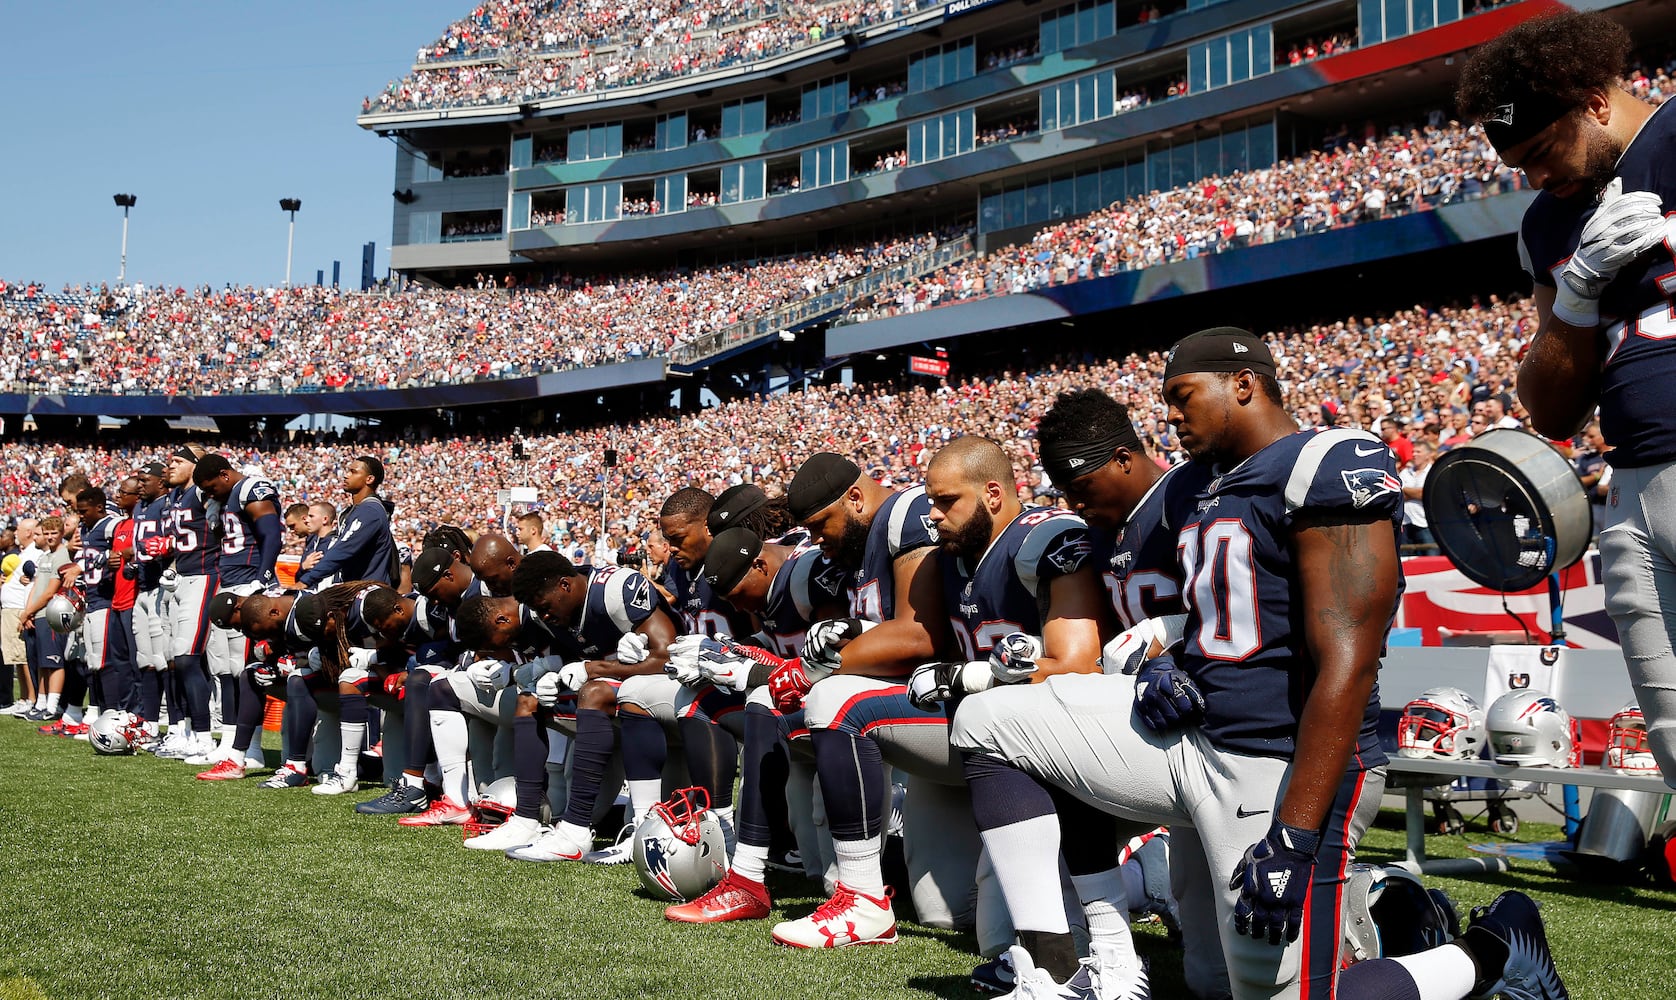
point(927, 366)
point(966, 6)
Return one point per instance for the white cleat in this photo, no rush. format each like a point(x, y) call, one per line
point(848, 918)
point(561, 843)
point(620, 853)
point(203, 752)
point(335, 783)
point(515, 832)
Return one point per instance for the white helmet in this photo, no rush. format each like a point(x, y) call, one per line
point(65, 611)
point(679, 848)
point(1529, 727)
point(1626, 742)
point(494, 806)
point(113, 733)
point(1444, 723)
point(1388, 914)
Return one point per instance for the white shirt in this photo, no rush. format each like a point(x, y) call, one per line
point(1413, 511)
point(14, 593)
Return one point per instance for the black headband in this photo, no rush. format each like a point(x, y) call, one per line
point(1523, 117)
point(1219, 349)
point(186, 453)
point(734, 503)
point(1065, 460)
point(730, 557)
point(819, 483)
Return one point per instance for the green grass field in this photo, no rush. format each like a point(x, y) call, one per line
point(124, 876)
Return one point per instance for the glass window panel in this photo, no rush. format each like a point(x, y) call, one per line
point(1262, 52)
point(1050, 109)
point(1105, 18)
point(1088, 192)
point(1233, 152)
point(1396, 18)
point(1085, 24)
point(1448, 10)
point(1239, 61)
point(916, 75)
point(1209, 156)
point(811, 103)
point(1135, 179)
point(1218, 73)
point(1085, 99)
point(730, 120)
point(613, 201)
point(614, 140)
point(1181, 165)
point(1013, 205)
point(990, 213)
point(756, 116)
point(521, 210)
point(756, 180)
point(578, 145)
point(916, 143)
point(967, 120)
point(1036, 203)
point(1422, 14)
point(951, 136)
point(1113, 184)
point(1050, 33)
point(1197, 61)
point(1371, 16)
point(1260, 145)
point(1105, 102)
point(1062, 198)
point(522, 152)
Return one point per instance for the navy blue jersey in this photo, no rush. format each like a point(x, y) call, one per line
point(1139, 566)
point(1007, 590)
point(618, 601)
point(1245, 641)
point(473, 589)
point(187, 521)
point(292, 641)
point(1637, 310)
point(537, 638)
point(97, 582)
point(804, 582)
point(699, 609)
point(902, 524)
point(148, 523)
point(241, 555)
point(364, 549)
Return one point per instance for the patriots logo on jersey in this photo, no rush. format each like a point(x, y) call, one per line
point(1121, 560)
point(641, 599)
point(930, 526)
point(1367, 484)
point(1071, 552)
point(352, 527)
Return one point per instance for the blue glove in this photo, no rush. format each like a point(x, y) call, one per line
point(1165, 696)
point(1273, 880)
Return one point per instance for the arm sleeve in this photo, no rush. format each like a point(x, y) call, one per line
point(268, 542)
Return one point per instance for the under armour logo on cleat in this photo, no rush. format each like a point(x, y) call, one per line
point(1278, 881)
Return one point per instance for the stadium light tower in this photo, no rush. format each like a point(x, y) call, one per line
point(124, 202)
point(293, 206)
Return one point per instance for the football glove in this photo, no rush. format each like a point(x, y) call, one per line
point(787, 685)
point(931, 684)
point(573, 675)
point(549, 688)
point(489, 675)
point(823, 648)
point(1150, 637)
point(633, 648)
point(526, 674)
point(1165, 696)
point(157, 546)
point(1622, 228)
point(1013, 659)
point(1273, 880)
point(395, 685)
point(724, 667)
point(263, 675)
point(170, 580)
point(289, 667)
point(262, 649)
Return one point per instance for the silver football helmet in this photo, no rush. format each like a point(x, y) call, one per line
point(679, 849)
point(1444, 723)
point(1388, 913)
point(113, 734)
point(1626, 742)
point(1529, 727)
point(65, 611)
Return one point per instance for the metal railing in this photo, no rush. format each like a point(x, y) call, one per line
point(824, 303)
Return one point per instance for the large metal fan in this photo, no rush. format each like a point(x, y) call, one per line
point(1507, 509)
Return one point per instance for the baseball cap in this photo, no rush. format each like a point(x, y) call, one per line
point(730, 557)
point(428, 567)
point(1219, 349)
point(734, 504)
point(221, 608)
point(819, 483)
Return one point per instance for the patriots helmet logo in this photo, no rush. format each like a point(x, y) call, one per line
point(1365, 485)
point(657, 865)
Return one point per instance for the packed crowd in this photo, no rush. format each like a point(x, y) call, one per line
point(205, 341)
point(1424, 373)
point(1407, 170)
point(1311, 49)
point(524, 51)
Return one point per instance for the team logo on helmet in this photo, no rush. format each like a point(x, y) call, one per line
point(1365, 485)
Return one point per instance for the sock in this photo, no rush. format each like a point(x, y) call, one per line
point(52, 702)
point(305, 712)
point(590, 756)
point(73, 714)
point(251, 703)
point(1454, 970)
point(1020, 830)
point(712, 759)
point(858, 864)
point(750, 861)
point(1386, 979)
point(724, 816)
point(762, 788)
point(852, 783)
point(151, 695)
point(352, 722)
point(643, 795)
point(41, 700)
point(529, 764)
point(644, 749)
point(1107, 907)
point(416, 722)
point(228, 685)
point(91, 715)
point(195, 683)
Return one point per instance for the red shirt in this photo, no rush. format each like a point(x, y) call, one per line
point(126, 587)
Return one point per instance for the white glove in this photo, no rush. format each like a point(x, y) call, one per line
point(1013, 659)
point(1622, 228)
point(726, 670)
point(823, 648)
point(633, 648)
point(573, 675)
point(169, 580)
point(289, 667)
point(931, 684)
point(1149, 638)
point(489, 675)
point(682, 665)
point(548, 689)
point(525, 675)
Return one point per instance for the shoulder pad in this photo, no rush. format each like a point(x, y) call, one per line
point(1341, 469)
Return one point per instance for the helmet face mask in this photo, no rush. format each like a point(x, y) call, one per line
point(1443, 723)
point(1388, 913)
point(494, 807)
point(679, 848)
point(1529, 728)
point(1626, 743)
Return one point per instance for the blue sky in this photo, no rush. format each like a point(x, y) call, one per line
point(209, 113)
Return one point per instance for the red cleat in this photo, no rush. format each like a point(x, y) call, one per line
point(51, 728)
point(443, 812)
point(734, 898)
point(227, 770)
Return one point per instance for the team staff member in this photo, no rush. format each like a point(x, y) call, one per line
point(13, 594)
point(1598, 243)
point(364, 548)
point(45, 646)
